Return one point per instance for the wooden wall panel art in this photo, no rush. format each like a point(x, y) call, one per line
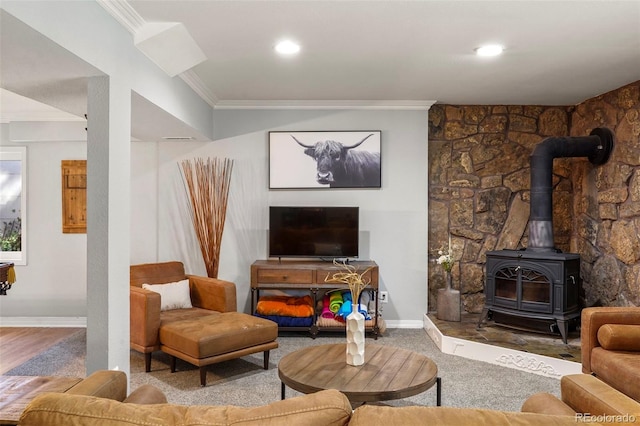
point(74, 196)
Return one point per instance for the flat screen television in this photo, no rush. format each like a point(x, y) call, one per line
point(324, 232)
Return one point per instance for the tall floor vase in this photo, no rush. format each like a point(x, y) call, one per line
point(207, 185)
point(448, 303)
point(355, 338)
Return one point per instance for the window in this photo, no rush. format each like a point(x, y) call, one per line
point(13, 204)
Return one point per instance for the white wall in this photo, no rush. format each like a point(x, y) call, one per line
point(393, 219)
point(144, 202)
point(53, 283)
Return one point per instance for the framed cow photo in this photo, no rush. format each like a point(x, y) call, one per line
point(309, 159)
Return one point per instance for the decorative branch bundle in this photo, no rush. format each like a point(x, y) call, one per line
point(207, 184)
point(350, 277)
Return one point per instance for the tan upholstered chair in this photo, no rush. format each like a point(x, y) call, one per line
point(610, 346)
point(610, 343)
point(208, 332)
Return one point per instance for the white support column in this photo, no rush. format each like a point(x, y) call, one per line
point(108, 233)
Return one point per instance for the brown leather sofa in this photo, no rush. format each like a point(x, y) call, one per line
point(209, 331)
point(325, 408)
point(113, 385)
point(610, 385)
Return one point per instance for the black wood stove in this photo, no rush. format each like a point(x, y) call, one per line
point(539, 285)
point(536, 288)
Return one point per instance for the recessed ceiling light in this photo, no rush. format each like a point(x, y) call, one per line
point(489, 50)
point(287, 47)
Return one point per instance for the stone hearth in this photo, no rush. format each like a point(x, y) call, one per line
point(522, 350)
point(507, 337)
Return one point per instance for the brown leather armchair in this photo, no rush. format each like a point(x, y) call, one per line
point(207, 295)
point(610, 346)
point(610, 343)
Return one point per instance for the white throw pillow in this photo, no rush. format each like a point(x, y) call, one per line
point(172, 295)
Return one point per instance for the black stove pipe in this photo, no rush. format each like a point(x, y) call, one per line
point(597, 147)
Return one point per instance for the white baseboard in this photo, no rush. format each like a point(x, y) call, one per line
point(404, 323)
point(82, 322)
point(505, 357)
point(43, 322)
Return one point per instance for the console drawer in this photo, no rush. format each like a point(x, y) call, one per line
point(321, 274)
point(290, 276)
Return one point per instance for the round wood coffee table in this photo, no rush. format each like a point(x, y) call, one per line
point(387, 373)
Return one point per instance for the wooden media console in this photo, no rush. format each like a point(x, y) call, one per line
point(309, 276)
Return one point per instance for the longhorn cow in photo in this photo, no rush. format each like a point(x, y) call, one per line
point(340, 166)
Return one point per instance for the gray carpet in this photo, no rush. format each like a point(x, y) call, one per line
point(465, 383)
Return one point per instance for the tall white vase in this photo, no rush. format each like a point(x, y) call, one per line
point(355, 338)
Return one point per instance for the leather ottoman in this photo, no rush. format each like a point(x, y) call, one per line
point(216, 338)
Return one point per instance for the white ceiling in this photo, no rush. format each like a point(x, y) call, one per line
point(557, 52)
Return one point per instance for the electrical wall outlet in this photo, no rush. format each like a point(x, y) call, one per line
point(383, 296)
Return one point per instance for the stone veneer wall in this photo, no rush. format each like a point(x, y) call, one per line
point(606, 202)
point(479, 192)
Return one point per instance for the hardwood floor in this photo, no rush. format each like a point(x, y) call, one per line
point(20, 344)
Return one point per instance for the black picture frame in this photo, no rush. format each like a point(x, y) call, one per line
point(325, 159)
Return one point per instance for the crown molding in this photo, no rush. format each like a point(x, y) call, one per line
point(197, 85)
point(124, 13)
point(295, 104)
point(127, 16)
